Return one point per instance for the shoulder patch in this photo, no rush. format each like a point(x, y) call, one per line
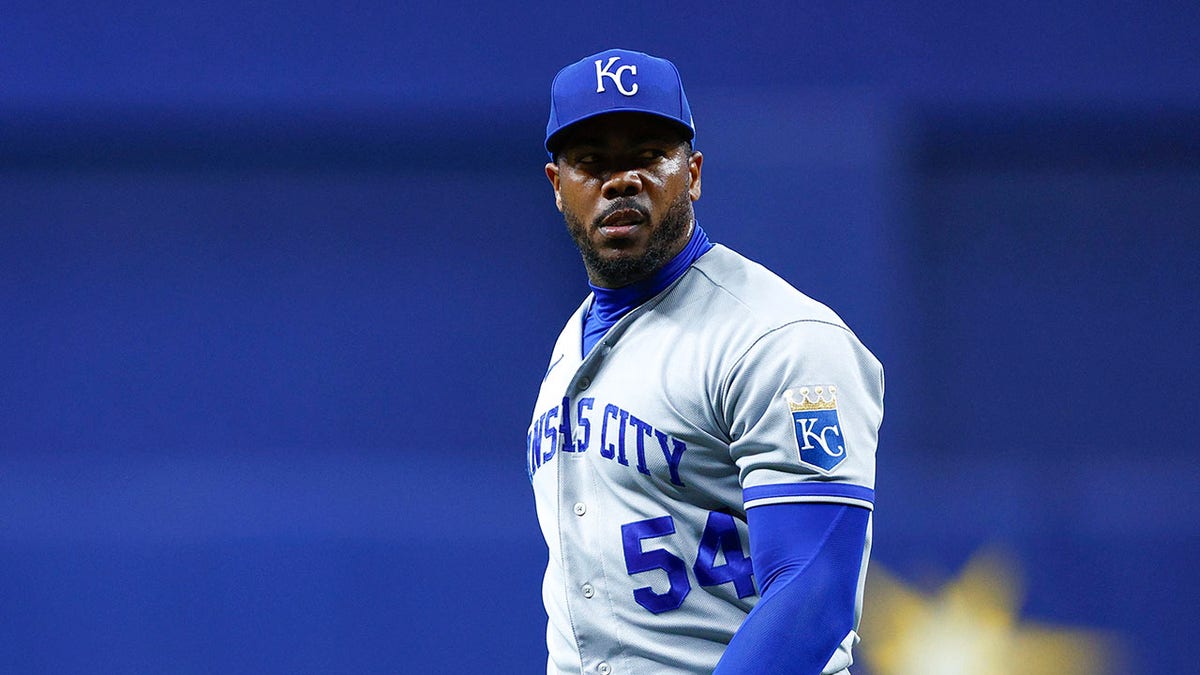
point(819, 437)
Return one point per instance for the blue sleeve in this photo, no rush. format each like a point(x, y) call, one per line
point(806, 558)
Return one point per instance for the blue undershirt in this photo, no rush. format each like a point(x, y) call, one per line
point(610, 304)
point(806, 558)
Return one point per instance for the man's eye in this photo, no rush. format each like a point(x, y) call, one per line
point(652, 153)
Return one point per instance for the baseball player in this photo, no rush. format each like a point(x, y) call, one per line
point(702, 447)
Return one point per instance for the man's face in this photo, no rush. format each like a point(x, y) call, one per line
point(625, 183)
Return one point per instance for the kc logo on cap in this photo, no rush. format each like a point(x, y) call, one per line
point(615, 76)
point(617, 80)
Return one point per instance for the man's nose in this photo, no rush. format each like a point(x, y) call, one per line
point(627, 183)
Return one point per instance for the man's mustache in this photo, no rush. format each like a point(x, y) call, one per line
point(623, 204)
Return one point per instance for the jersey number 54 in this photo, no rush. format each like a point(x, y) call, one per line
point(720, 535)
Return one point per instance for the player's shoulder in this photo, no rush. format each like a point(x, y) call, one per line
point(756, 295)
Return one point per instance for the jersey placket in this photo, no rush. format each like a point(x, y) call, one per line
point(580, 520)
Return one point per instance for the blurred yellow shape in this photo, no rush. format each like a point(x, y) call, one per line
point(971, 626)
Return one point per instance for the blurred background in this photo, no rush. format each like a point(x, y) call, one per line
point(278, 282)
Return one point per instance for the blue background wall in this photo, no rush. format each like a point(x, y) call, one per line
point(278, 283)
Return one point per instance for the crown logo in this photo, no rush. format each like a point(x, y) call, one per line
point(818, 398)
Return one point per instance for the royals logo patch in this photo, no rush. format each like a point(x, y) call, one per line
point(818, 429)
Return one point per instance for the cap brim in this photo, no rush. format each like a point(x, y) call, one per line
point(554, 140)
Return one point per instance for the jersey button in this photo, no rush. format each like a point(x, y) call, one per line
point(580, 508)
point(584, 383)
point(604, 668)
point(588, 590)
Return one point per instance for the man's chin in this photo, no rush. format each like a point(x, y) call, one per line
point(617, 267)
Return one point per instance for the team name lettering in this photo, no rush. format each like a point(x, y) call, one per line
point(615, 75)
point(624, 438)
point(544, 432)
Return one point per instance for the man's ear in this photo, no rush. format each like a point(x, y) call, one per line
point(552, 174)
point(695, 163)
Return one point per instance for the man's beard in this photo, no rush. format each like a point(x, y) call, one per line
point(625, 270)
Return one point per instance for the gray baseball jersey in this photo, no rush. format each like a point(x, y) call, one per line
point(727, 390)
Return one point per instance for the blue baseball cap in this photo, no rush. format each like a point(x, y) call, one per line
point(617, 80)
